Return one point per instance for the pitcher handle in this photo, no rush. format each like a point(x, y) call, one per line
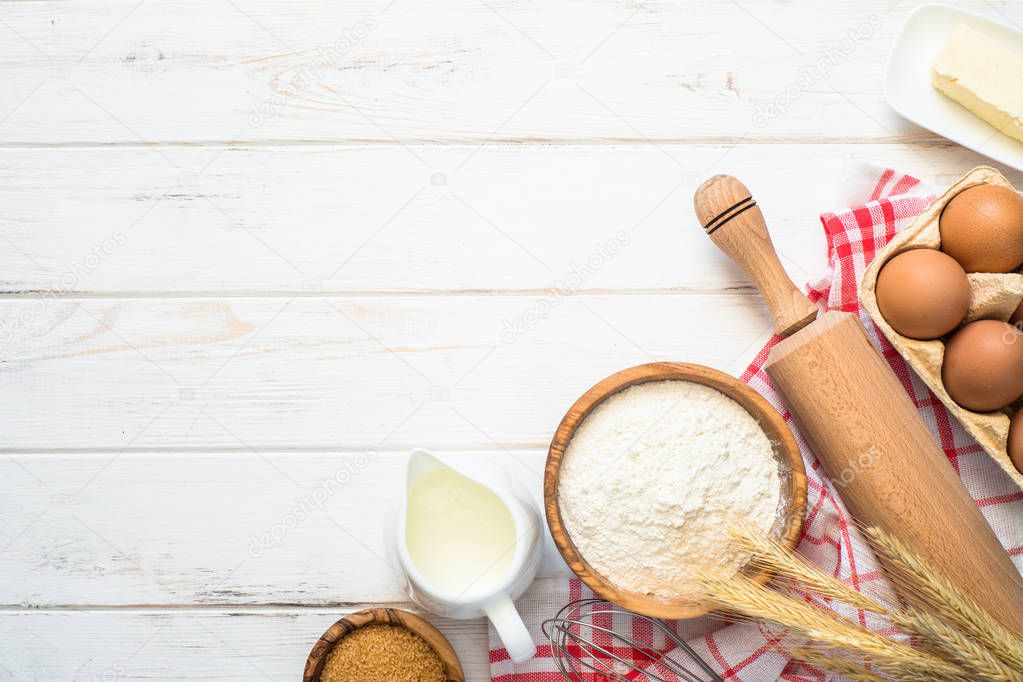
point(512, 631)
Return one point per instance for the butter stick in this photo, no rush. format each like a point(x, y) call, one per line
point(983, 75)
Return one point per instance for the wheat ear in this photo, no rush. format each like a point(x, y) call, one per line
point(927, 591)
point(743, 595)
point(771, 555)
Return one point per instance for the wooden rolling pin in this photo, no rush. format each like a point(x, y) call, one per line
point(859, 421)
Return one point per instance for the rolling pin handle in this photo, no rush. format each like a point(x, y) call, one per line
point(731, 218)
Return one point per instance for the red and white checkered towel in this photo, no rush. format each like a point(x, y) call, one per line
point(754, 652)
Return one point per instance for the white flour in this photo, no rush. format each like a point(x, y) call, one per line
point(653, 477)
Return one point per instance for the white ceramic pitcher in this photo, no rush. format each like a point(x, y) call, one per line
point(495, 600)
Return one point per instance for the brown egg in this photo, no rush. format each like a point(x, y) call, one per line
point(982, 228)
point(983, 368)
point(1016, 440)
point(923, 293)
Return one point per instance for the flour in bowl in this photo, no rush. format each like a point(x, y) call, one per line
point(652, 478)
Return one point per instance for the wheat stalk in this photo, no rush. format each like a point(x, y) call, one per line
point(953, 645)
point(926, 591)
point(769, 554)
point(853, 669)
point(750, 599)
point(947, 642)
point(846, 667)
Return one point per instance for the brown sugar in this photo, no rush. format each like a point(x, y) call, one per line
point(383, 653)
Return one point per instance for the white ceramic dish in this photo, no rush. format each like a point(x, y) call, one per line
point(908, 89)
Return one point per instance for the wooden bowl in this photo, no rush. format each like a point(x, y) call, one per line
point(787, 528)
point(349, 624)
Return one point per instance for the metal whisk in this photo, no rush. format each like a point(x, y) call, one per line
point(584, 640)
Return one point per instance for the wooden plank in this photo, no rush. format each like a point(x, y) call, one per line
point(117, 221)
point(144, 529)
point(124, 72)
point(151, 644)
point(132, 529)
point(327, 373)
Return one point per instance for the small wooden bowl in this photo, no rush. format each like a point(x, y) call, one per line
point(349, 624)
point(788, 526)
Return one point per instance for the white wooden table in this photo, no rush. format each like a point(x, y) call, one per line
point(253, 248)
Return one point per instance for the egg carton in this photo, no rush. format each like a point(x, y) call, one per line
point(993, 296)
